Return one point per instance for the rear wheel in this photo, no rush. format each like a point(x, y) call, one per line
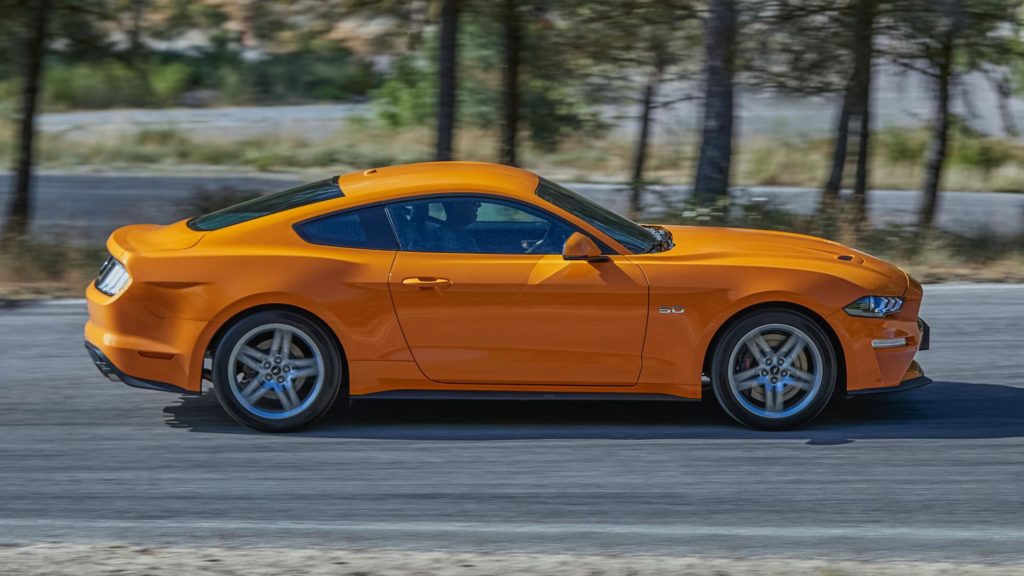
point(774, 369)
point(277, 371)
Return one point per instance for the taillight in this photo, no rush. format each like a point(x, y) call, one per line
point(113, 277)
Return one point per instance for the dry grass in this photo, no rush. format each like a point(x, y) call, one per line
point(50, 270)
point(975, 163)
point(1005, 270)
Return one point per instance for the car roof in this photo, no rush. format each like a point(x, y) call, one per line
point(392, 182)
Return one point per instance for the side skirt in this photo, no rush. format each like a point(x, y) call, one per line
point(501, 395)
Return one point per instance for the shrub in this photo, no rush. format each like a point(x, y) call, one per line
point(407, 97)
point(95, 85)
point(985, 154)
point(169, 81)
point(901, 145)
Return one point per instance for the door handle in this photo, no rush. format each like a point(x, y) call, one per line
point(425, 282)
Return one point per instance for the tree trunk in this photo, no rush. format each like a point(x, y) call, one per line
point(940, 136)
point(19, 212)
point(713, 164)
point(855, 116)
point(835, 179)
point(643, 137)
point(135, 34)
point(446, 88)
point(510, 81)
point(1004, 93)
point(419, 11)
point(864, 52)
point(860, 183)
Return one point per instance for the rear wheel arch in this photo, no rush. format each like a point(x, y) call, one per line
point(277, 368)
point(218, 335)
point(837, 345)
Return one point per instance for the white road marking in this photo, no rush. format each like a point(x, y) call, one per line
point(679, 530)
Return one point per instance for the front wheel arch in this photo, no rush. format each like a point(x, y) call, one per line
point(837, 345)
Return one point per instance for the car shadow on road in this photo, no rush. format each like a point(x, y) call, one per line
point(943, 410)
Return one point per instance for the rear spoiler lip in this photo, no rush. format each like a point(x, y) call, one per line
point(177, 236)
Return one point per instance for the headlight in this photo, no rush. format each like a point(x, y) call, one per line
point(875, 306)
point(113, 277)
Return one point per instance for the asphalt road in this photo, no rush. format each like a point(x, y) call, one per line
point(936, 473)
point(86, 208)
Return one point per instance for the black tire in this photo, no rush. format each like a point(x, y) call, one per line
point(743, 406)
point(309, 339)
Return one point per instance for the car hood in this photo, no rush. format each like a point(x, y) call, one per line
point(785, 249)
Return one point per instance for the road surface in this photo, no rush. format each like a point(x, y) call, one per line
point(933, 474)
point(85, 208)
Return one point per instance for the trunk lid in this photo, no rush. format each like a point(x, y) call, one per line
point(148, 238)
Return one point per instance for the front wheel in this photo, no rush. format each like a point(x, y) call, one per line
point(276, 371)
point(774, 369)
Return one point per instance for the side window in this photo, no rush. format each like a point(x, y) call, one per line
point(360, 228)
point(476, 225)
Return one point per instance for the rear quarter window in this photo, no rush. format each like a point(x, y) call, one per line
point(359, 228)
point(265, 205)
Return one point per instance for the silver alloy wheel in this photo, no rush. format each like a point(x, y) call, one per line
point(275, 371)
point(775, 371)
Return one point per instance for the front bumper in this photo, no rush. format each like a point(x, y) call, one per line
point(879, 352)
point(914, 378)
point(113, 373)
point(926, 335)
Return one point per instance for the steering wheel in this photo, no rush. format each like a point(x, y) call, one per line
point(551, 237)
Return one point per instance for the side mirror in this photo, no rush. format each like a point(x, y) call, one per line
point(581, 247)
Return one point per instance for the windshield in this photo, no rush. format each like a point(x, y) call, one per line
point(269, 204)
point(631, 235)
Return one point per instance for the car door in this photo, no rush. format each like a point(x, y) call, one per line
point(483, 296)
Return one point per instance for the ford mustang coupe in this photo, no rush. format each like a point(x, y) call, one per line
point(472, 280)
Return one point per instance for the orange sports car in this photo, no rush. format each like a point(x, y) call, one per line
point(471, 280)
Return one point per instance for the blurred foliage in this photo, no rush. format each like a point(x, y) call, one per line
point(406, 98)
point(111, 53)
point(797, 46)
point(970, 150)
point(319, 72)
point(552, 105)
point(94, 85)
point(900, 145)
